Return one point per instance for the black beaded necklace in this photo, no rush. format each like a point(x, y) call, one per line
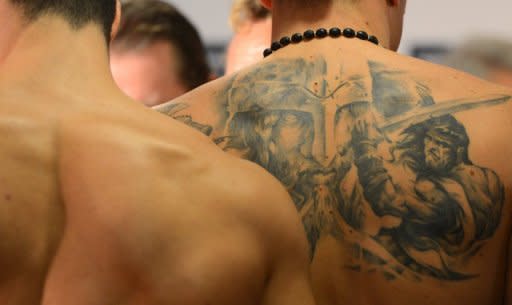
point(320, 33)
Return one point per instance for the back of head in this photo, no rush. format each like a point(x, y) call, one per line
point(77, 13)
point(145, 22)
point(243, 11)
point(299, 8)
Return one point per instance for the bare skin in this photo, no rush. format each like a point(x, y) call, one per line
point(399, 168)
point(246, 45)
point(106, 202)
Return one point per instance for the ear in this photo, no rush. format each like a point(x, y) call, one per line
point(117, 20)
point(267, 4)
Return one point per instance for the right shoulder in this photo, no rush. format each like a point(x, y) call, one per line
point(448, 80)
point(263, 202)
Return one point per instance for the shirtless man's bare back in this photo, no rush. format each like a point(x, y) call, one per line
point(103, 201)
point(400, 168)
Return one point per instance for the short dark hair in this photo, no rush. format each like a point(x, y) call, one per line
point(77, 13)
point(147, 21)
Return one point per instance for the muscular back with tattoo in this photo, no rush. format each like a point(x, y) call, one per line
point(400, 169)
point(105, 202)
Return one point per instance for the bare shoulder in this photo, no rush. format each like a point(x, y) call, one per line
point(449, 80)
point(105, 150)
point(109, 151)
point(202, 108)
point(266, 206)
point(256, 191)
point(200, 98)
point(124, 165)
point(427, 90)
point(261, 200)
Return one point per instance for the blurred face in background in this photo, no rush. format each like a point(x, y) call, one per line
point(157, 54)
point(149, 74)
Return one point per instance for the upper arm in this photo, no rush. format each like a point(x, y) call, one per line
point(289, 282)
point(286, 243)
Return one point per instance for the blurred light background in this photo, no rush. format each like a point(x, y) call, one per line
point(431, 26)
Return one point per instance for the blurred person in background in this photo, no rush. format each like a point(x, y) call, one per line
point(158, 54)
point(487, 58)
point(252, 26)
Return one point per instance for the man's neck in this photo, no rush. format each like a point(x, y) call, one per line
point(359, 17)
point(48, 55)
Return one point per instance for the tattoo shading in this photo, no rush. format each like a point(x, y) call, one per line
point(174, 109)
point(373, 161)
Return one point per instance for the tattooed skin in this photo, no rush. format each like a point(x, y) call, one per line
point(374, 162)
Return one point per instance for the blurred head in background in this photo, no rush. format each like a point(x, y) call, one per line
point(252, 26)
point(487, 58)
point(157, 54)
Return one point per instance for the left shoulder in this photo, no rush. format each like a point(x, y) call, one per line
point(201, 108)
point(202, 97)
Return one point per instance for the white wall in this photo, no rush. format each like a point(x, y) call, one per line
point(210, 16)
point(430, 21)
point(450, 21)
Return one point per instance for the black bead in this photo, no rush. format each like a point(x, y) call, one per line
point(349, 33)
point(275, 46)
point(321, 33)
point(296, 38)
point(362, 35)
point(309, 34)
point(373, 39)
point(335, 32)
point(285, 41)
